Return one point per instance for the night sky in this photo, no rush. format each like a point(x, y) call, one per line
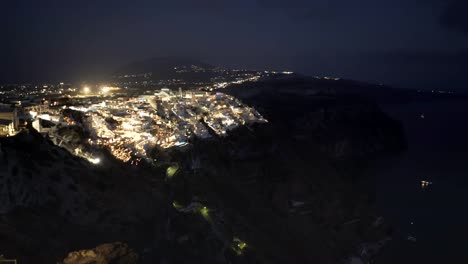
point(406, 43)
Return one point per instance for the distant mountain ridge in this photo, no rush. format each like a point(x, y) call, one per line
point(160, 65)
point(300, 85)
point(177, 72)
point(188, 73)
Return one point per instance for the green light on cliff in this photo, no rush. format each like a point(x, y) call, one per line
point(242, 245)
point(205, 212)
point(177, 205)
point(172, 170)
point(238, 246)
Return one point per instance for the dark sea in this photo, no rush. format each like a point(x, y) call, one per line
point(430, 223)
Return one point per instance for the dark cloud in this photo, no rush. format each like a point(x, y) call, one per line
point(455, 16)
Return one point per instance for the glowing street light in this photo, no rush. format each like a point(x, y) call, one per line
point(105, 89)
point(239, 246)
point(86, 90)
point(170, 171)
point(95, 160)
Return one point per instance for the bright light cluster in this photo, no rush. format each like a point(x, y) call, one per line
point(129, 127)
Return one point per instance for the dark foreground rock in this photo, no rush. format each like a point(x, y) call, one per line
point(112, 253)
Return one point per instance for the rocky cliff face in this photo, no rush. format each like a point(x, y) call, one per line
point(356, 130)
point(292, 201)
point(297, 179)
point(56, 202)
point(32, 176)
point(289, 191)
point(342, 124)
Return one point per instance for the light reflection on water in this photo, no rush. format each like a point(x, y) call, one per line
point(436, 216)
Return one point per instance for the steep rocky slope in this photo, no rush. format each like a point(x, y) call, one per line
point(289, 191)
point(53, 202)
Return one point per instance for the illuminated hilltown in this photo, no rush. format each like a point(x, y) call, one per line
point(128, 126)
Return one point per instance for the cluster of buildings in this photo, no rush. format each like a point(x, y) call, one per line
point(129, 127)
point(9, 120)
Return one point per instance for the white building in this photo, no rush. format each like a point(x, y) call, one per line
point(8, 121)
